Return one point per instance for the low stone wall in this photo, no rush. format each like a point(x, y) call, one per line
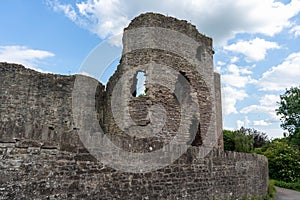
point(35, 173)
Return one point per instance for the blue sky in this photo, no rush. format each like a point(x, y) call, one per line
point(256, 44)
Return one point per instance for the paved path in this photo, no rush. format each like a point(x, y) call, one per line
point(285, 194)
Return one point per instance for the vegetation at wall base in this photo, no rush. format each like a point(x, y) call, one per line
point(271, 190)
point(292, 186)
point(269, 196)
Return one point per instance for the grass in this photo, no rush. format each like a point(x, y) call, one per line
point(292, 186)
point(271, 191)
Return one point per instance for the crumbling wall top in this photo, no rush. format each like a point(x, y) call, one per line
point(158, 20)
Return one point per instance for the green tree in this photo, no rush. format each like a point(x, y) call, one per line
point(228, 138)
point(284, 161)
point(289, 112)
point(237, 141)
point(260, 138)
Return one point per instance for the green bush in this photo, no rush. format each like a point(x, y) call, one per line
point(284, 161)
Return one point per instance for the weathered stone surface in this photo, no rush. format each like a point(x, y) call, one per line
point(156, 45)
point(36, 108)
point(42, 156)
point(46, 173)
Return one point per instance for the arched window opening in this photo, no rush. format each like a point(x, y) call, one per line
point(139, 87)
point(195, 133)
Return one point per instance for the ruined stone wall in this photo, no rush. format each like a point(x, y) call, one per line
point(42, 157)
point(166, 48)
point(36, 173)
point(36, 108)
point(219, 117)
point(30, 169)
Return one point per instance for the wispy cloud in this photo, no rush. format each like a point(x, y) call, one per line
point(295, 30)
point(226, 18)
point(67, 9)
point(267, 105)
point(23, 55)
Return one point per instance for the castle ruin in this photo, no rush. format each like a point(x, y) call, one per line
point(54, 129)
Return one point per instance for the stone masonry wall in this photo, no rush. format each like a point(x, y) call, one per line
point(36, 108)
point(30, 169)
point(37, 173)
point(159, 46)
point(42, 156)
point(158, 94)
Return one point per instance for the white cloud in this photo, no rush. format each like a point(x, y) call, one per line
point(220, 63)
point(23, 55)
point(245, 71)
point(256, 109)
point(218, 69)
point(269, 100)
point(261, 123)
point(102, 17)
point(283, 76)
point(234, 59)
point(239, 124)
point(230, 96)
point(272, 133)
point(244, 123)
point(236, 80)
point(233, 69)
point(219, 66)
point(267, 105)
point(295, 30)
point(226, 18)
point(236, 76)
point(253, 50)
point(67, 9)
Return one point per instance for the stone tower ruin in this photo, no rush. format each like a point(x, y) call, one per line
point(46, 120)
point(166, 50)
